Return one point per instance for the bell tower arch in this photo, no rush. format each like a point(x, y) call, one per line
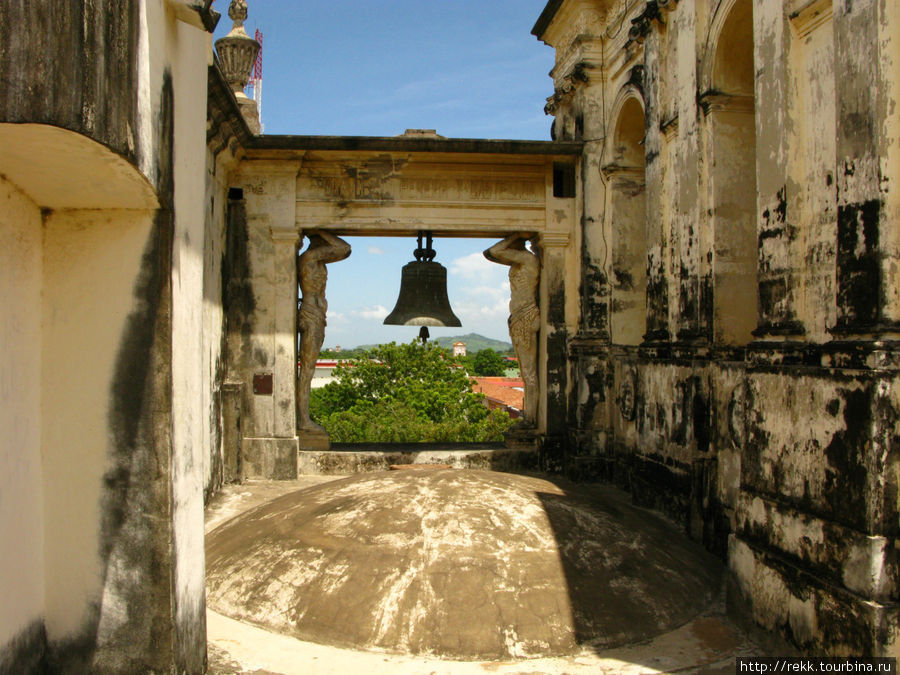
point(339, 187)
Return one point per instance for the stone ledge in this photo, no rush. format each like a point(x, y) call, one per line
point(341, 461)
point(815, 616)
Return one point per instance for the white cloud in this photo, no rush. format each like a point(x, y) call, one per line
point(475, 266)
point(332, 317)
point(378, 312)
point(484, 307)
point(375, 250)
point(489, 293)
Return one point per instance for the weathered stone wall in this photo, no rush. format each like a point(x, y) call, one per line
point(105, 452)
point(213, 332)
point(75, 66)
point(758, 406)
point(261, 306)
point(188, 51)
point(109, 105)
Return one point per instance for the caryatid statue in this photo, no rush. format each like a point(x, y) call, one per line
point(323, 248)
point(524, 313)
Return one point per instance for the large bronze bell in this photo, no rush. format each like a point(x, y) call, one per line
point(423, 297)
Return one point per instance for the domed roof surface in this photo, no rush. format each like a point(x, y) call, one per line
point(458, 563)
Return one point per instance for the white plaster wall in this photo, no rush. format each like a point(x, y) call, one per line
point(213, 317)
point(21, 510)
point(189, 49)
point(91, 259)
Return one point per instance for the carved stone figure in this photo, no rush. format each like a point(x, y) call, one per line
point(524, 314)
point(312, 275)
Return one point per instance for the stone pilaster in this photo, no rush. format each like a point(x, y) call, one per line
point(657, 238)
point(777, 280)
point(868, 245)
point(595, 252)
point(284, 283)
point(690, 325)
point(555, 342)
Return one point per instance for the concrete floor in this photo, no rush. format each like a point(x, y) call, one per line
point(666, 623)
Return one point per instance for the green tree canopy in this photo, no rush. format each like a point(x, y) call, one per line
point(404, 393)
point(488, 363)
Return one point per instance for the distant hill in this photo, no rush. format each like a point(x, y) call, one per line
point(474, 343)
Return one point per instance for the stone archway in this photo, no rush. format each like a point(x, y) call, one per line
point(391, 187)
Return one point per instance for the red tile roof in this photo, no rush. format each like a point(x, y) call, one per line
point(506, 391)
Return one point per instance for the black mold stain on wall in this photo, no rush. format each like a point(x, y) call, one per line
point(213, 289)
point(657, 302)
point(775, 236)
point(217, 468)
point(237, 288)
point(859, 271)
point(707, 306)
point(594, 293)
point(594, 380)
point(553, 448)
point(135, 543)
point(72, 65)
point(846, 474)
point(26, 652)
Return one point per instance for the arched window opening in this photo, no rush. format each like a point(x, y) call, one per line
point(729, 107)
point(627, 216)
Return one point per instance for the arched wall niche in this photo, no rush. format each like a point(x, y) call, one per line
point(728, 106)
point(727, 65)
point(733, 63)
point(627, 218)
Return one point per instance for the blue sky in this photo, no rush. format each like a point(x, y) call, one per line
point(467, 68)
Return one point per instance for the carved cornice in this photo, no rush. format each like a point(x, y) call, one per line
point(589, 344)
point(641, 24)
point(716, 101)
point(284, 234)
point(198, 13)
point(554, 239)
point(669, 127)
point(579, 74)
point(635, 174)
point(546, 18)
point(808, 15)
point(225, 126)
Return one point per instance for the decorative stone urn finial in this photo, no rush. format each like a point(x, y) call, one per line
point(237, 12)
point(237, 54)
point(237, 50)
